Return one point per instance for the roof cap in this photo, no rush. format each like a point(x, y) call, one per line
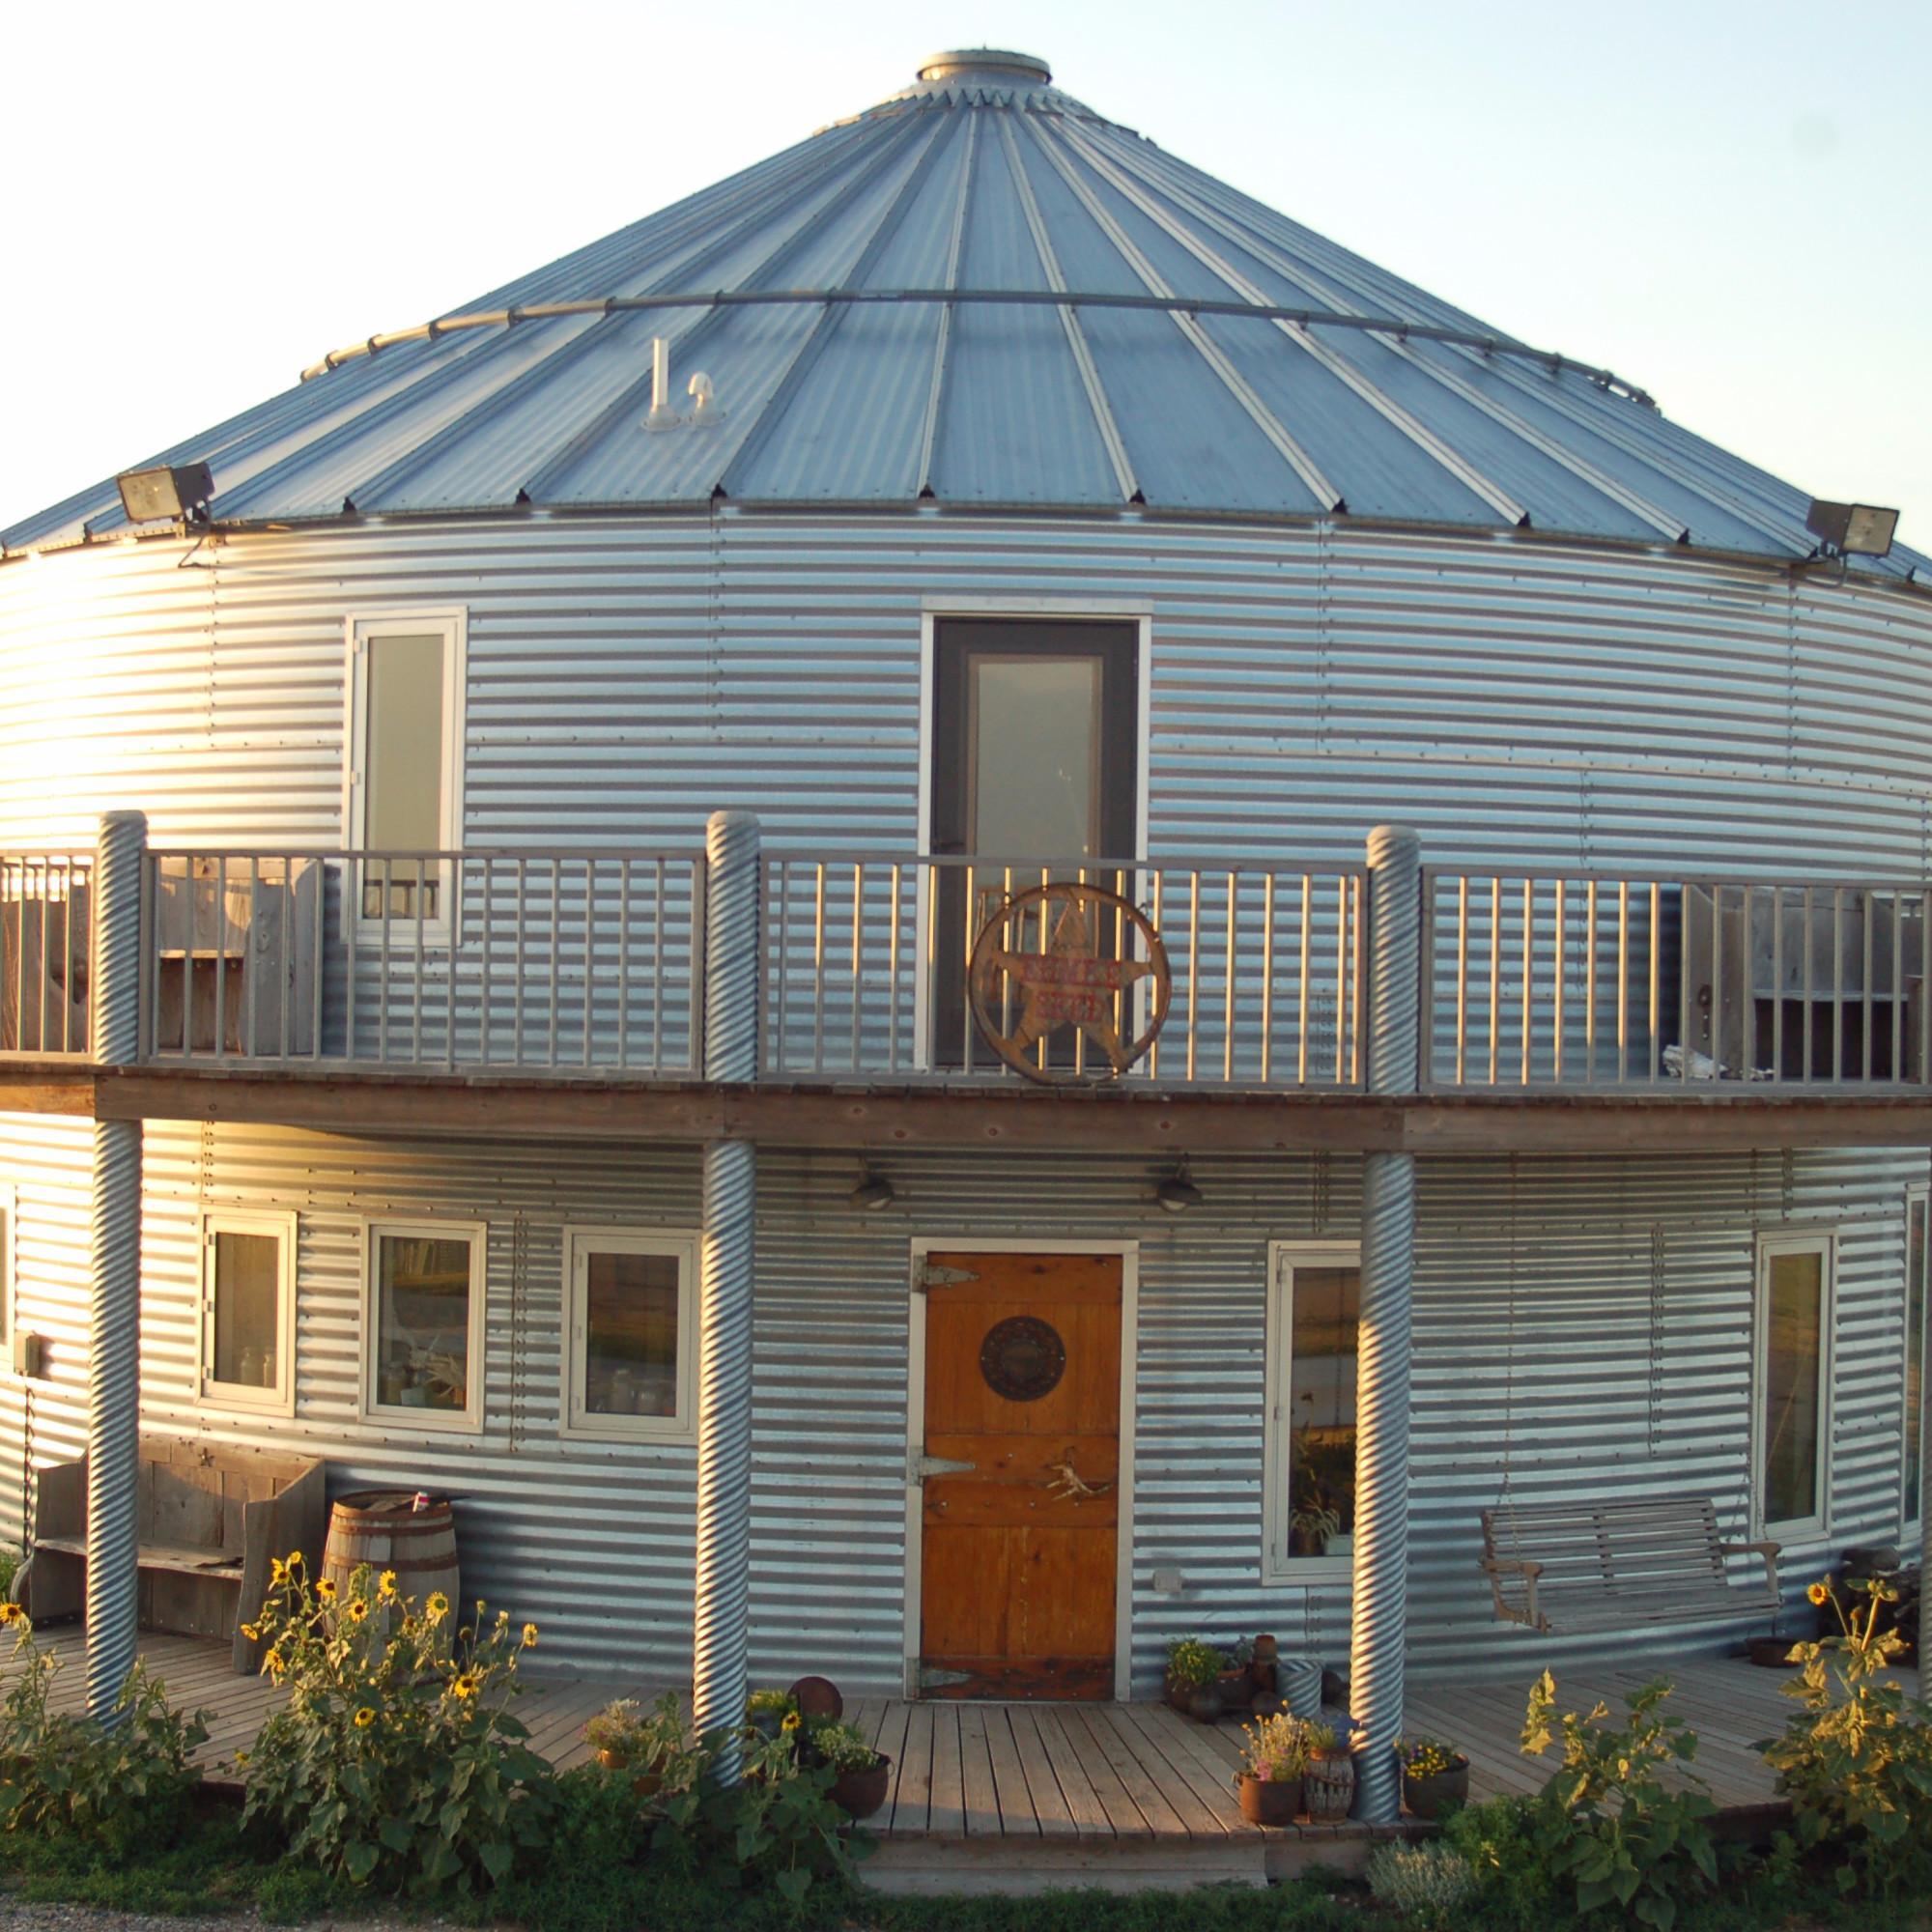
point(986, 64)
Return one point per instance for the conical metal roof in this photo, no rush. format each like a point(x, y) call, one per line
point(979, 291)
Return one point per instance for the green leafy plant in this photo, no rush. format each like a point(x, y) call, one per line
point(1430, 1883)
point(778, 1824)
point(395, 1761)
point(1610, 1823)
point(1857, 1761)
point(1276, 1748)
point(770, 1703)
point(113, 1787)
point(843, 1747)
point(1192, 1663)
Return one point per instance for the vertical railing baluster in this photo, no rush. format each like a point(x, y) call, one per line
point(1268, 977)
point(222, 956)
point(1496, 980)
point(892, 974)
point(780, 1056)
point(354, 880)
point(624, 863)
point(1193, 967)
point(1590, 984)
point(382, 984)
point(519, 934)
point(554, 909)
point(589, 954)
point(1622, 980)
point(1229, 983)
point(457, 872)
point(1808, 1047)
point(1865, 977)
point(1346, 1001)
point(1777, 984)
point(1154, 1052)
point(819, 969)
point(1897, 985)
point(1560, 967)
point(858, 963)
point(1529, 976)
point(1718, 983)
point(420, 900)
point(1462, 980)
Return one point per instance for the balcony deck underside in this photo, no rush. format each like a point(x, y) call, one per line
point(882, 1114)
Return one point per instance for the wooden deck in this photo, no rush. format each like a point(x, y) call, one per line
point(1018, 1797)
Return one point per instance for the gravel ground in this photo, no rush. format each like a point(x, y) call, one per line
point(34, 1917)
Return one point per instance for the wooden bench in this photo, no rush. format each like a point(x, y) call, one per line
point(208, 1520)
point(1590, 1566)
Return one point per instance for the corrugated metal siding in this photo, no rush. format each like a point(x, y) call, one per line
point(1642, 1267)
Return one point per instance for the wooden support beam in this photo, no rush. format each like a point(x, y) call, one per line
point(932, 1117)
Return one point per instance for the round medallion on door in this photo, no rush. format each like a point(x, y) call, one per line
point(1022, 1358)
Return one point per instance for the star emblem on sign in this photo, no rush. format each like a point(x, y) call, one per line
point(1068, 984)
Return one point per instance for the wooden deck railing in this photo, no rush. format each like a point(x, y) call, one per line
point(44, 954)
point(1578, 979)
point(866, 969)
point(582, 960)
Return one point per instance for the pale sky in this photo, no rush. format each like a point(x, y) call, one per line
point(1723, 200)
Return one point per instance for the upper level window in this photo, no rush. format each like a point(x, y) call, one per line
point(404, 752)
point(1309, 1491)
point(1792, 1409)
point(247, 1310)
point(630, 1356)
point(423, 1288)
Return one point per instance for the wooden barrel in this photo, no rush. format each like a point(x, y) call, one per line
point(385, 1530)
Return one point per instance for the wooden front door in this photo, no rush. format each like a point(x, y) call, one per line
point(1019, 1545)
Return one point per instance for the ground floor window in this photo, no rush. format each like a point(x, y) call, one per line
point(423, 1321)
point(1791, 1419)
point(630, 1353)
point(1309, 1489)
point(1918, 1260)
point(247, 1310)
point(7, 1270)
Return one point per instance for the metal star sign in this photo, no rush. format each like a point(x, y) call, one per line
point(1074, 980)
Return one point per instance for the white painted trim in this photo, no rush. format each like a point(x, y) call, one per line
point(1917, 1194)
point(1129, 1252)
point(285, 1229)
point(1277, 1567)
point(431, 1228)
point(1100, 610)
point(1825, 1243)
point(453, 621)
point(578, 1244)
point(9, 1278)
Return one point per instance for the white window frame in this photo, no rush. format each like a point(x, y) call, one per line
point(453, 623)
point(1917, 1196)
point(1283, 1258)
point(578, 1244)
point(284, 1228)
point(8, 1274)
point(467, 1420)
point(1823, 1242)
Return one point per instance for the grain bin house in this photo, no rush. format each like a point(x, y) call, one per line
point(731, 905)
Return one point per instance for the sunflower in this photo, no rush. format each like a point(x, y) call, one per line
point(252, 1632)
point(385, 1585)
point(271, 1664)
point(529, 1636)
point(1819, 1595)
point(464, 1684)
point(295, 1561)
point(278, 1570)
point(364, 1718)
point(325, 1589)
point(356, 1610)
point(436, 1609)
point(11, 1613)
point(792, 1721)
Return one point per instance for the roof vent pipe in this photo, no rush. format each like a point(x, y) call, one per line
point(662, 415)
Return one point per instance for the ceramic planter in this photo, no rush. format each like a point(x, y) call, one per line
point(1237, 1688)
point(1328, 1788)
point(1430, 1796)
point(860, 1793)
point(1268, 1801)
point(1204, 1704)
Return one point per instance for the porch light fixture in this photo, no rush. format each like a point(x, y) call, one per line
point(1177, 1193)
point(873, 1192)
point(1851, 529)
point(177, 493)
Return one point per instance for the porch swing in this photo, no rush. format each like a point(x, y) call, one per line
point(1608, 1562)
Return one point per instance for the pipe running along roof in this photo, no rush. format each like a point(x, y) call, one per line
point(980, 292)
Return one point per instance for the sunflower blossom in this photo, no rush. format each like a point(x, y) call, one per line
point(1819, 1595)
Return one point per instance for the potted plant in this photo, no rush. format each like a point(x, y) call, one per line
point(1310, 1526)
point(1328, 1780)
point(766, 1711)
point(1435, 1776)
point(1193, 1675)
point(626, 1736)
point(1237, 1681)
point(864, 1776)
point(1274, 1755)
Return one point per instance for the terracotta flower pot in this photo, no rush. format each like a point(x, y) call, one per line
point(860, 1793)
point(1328, 1788)
point(1238, 1689)
point(1204, 1704)
point(1268, 1801)
point(1430, 1796)
point(612, 1760)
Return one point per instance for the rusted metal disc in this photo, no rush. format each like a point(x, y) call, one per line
point(1066, 954)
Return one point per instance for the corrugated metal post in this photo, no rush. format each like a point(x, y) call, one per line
point(718, 1685)
point(114, 1354)
point(1379, 1625)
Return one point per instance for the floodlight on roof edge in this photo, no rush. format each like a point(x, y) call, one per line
point(1851, 529)
point(171, 494)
